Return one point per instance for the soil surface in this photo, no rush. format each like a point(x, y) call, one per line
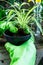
point(20, 33)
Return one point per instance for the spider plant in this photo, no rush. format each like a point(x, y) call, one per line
point(23, 18)
point(20, 19)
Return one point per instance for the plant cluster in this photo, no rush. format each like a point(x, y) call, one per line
point(19, 19)
point(22, 18)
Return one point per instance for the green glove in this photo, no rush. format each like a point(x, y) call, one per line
point(7, 25)
point(12, 28)
point(24, 54)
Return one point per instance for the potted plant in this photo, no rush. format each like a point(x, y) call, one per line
point(17, 28)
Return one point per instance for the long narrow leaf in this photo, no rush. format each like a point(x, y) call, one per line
point(30, 12)
point(24, 4)
point(10, 18)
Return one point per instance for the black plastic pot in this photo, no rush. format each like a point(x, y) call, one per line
point(17, 40)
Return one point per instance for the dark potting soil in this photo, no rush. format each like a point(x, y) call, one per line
point(20, 33)
point(9, 33)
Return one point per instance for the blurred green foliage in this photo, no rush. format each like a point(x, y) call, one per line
point(42, 2)
point(12, 1)
point(5, 3)
point(42, 8)
point(2, 14)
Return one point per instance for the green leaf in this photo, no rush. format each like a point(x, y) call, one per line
point(30, 12)
point(10, 13)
